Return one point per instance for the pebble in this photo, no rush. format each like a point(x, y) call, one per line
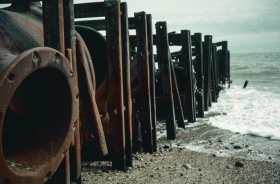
point(106, 170)
point(166, 146)
point(219, 140)
point(214, 155)
point(129, 168)
point(237, 147)
point(229, 166)
point(187, 166)
point(98, 171)
point(239, 164)
point(226, 147)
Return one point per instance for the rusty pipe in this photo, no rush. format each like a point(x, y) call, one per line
point(31, 148)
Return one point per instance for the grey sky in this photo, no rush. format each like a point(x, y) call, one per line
point(248, 25)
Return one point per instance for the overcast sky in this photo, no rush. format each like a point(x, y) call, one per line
point(248, 25)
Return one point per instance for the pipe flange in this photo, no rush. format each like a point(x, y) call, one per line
point(33, 146)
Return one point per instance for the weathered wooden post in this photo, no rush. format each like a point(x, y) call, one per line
point(223, 62)
point(144, 81)
point(54, 37)
point(126, 84)
point(152, 79)
point(164, 63)
point(214, 82)
point(197, 42)
point(115, 82)
point(188, 71)
point(207, 70)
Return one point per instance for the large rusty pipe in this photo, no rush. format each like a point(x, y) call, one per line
point(33, 146)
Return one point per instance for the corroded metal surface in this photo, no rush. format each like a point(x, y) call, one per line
point(91, 121)
point(33, 147)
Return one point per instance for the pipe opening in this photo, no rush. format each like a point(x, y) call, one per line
point(36, 121)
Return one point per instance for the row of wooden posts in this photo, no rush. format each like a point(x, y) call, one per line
point(201, 68)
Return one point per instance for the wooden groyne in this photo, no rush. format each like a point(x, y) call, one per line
point(83, 96)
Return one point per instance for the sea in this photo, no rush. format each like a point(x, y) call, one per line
point(253, 110)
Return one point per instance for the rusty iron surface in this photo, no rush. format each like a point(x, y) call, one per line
point(19, 32)
point(37, 148)
point(92, 129)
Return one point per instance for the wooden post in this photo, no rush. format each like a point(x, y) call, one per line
point(206, 70)
point(224, 62)
point(115, 82)
point(177, 100)
point(188, 71)
point(144, 81)
point(228, 71)
point(54, 25)
point(164, 61)
point(152, 79)
point(199, 72)
point(214, 84)
point(126, 84)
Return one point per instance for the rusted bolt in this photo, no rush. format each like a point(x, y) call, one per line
point(49, 175)
point(116, 111)
point(36, 57)
point(11, 77)
point(75, 123)
point(57, 58)
point(71, 74)
point(102, 115)
point(64, 151)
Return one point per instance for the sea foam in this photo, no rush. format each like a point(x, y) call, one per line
point(248, 111)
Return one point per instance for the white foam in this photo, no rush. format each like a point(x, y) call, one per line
point(248, 111)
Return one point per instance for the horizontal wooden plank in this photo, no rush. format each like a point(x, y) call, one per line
point(85, 10)
point(95, 24)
